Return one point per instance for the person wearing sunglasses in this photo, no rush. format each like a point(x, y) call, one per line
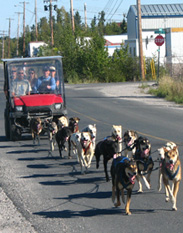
point(13, 75)
point(32, 77)
point(21, 86)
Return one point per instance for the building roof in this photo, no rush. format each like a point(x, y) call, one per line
point(154, 10)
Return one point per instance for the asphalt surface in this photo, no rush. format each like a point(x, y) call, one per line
point(11, 220)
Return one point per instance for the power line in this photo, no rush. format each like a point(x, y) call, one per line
point(106, 6)
point(116, 9)
point(112, 9)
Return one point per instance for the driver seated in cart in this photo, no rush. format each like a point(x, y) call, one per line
point(21, 86)
point(45, 83)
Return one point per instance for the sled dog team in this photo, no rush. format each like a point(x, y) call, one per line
point(136, 164)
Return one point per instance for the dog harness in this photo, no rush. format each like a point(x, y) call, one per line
point(125, 185)
point(145, 163)
point(121, 161)
point(170, 175)
point(87, 148)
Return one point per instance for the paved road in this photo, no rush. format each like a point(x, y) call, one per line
point(50, 195)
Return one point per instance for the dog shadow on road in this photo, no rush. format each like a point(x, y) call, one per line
point(89, 213)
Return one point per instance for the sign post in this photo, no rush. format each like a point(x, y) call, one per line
point(159, 41)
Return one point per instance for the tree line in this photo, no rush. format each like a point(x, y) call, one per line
point(83, 61)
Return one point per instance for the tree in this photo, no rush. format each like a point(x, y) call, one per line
point(77, 19)
point(44, 30)
point(112, 29)
point(93, 24)
point(124, 25)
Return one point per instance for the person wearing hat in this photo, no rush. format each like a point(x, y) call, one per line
point(53, 75)
point(45, 83)
point(21, 86)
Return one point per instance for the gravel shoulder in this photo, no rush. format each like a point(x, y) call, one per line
point(135, 92)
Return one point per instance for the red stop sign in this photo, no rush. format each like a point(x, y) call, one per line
point(159, 40)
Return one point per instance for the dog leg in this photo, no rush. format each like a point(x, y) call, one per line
point(122, 195)
point(50, 136)
point(118, 203)
point(52, 145)
point(127, 208)
point(171, 194)
point(175, 191)
point(105, 169)
point(38, 139)
point(159, 180)
point(166, 184)
point(168, 193)
point(167, 198)
point(139, 184)
point(90, 159)
point(146, 182)
point(60, 150)
point(82, 161)
point(113, 193)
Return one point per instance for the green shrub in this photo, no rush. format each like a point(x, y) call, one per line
point(169, 89)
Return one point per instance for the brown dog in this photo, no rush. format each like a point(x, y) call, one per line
point(36, 128)
point(171, 171)
point(123, 173)
point(52, 129)
point(168, 146)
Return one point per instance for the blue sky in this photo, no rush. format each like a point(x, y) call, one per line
point(114, 10)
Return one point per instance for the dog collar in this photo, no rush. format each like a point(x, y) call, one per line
point(170, 175)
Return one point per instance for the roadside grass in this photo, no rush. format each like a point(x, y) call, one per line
point(170, 89)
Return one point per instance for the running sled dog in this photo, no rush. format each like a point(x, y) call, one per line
point(123, 173)
point(171, 171)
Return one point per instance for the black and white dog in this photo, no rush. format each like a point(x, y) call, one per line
point(63, 135)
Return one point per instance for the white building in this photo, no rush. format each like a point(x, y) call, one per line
point(33, 47)
point(114, 42)
point(174, 48)
point(153, 17)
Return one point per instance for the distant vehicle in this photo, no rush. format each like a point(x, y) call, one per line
point(34, 46)
point(21, 108)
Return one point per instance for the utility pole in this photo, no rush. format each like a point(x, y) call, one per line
point(51, 24)
point(9, 40)
point(24, 26)
point(140, 40)
point(72, 16)
point(24, 29)
point(17, 52)
point(3, 33)
point(36, 20)
point(85, 16)
point(51, 18)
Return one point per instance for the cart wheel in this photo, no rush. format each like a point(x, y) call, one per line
point(15, 133)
